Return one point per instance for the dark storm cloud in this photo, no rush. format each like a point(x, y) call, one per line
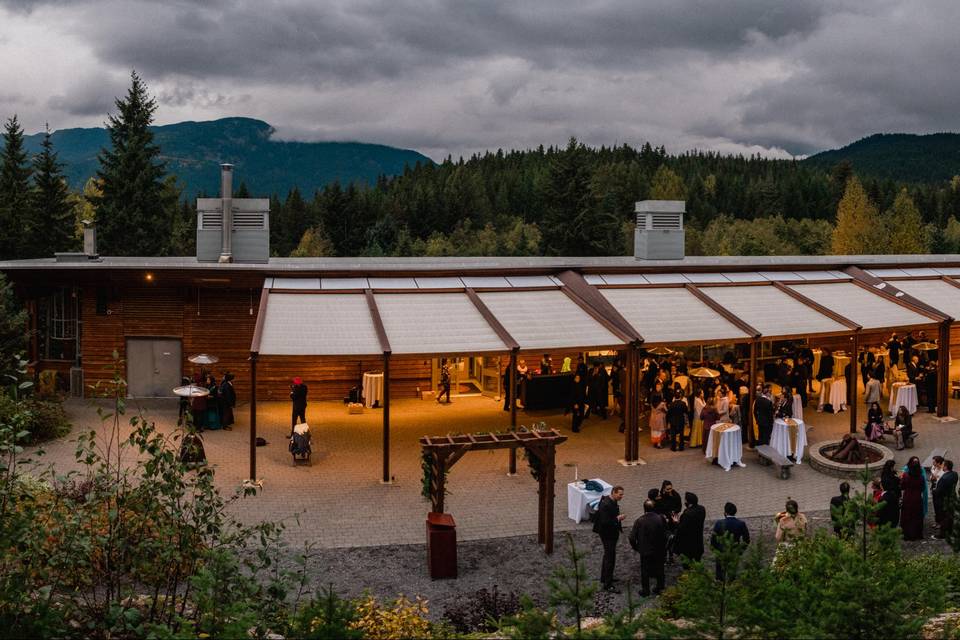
point(456, 77)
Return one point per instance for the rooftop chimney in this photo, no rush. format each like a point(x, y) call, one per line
point(659, 234)
point(89, 238)
point(226, 195)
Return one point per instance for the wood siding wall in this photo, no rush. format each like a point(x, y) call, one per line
point(221, 322)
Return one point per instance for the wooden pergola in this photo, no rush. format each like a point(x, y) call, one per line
point(442, 452)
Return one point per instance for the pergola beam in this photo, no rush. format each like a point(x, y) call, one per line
point(728, 315)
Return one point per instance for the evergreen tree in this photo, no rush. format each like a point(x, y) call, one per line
point(667, 185)
point(134, 212)
point(858, 229)
point(314, 243)
point(50, 226)
point(13, 326)
point(904, 226)
point(15, 191)
point(568, 203)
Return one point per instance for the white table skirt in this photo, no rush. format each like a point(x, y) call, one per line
point(780, 440)
point(834, 392)
point(797, 407)
point(903, 394)
point(578, 498)
point(372, 389)
point(731, 447)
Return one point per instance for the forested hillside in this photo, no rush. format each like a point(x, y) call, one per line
point(899, 156)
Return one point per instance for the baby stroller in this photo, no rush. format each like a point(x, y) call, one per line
point(300, 443)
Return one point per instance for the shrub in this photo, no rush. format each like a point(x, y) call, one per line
point(327, 616)
point(482, 610)
point(48, 387)
point(43, 419)
point(399, 619)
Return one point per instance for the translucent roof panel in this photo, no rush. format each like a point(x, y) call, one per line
point(823, 275)
point(593, 278)
point(344, 283)
point(321, 324)
point(666, 278)
point(435, 323)
point(886, 273)
point(743, 276)
point(296, 283)
point(705, 277)
point(923, 272)
point(439, 283)
point(531, 281)
point(780, 276)
point(624, 278)
point(392, 283)
point(479, 282)
point(668, 315)
point(547, 320)
point(948, 271)
point(940, 295)
point(868, 309)
point(773, 312)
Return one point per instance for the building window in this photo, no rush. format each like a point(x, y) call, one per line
point(57, 325)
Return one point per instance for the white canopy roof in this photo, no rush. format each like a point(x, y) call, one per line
point(547, 319)
point(671, 315)
point(940, 295)
point(773, 312)
point(318, 324)
point(868, 309)
point(435, 323)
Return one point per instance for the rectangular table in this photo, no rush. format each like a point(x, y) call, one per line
point(553, 391)
point(579, 499)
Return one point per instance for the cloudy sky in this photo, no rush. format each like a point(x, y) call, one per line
point(778, 78)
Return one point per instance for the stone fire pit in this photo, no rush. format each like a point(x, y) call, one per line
point(818, 453)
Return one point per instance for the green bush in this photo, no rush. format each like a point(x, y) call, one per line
point(43, 419)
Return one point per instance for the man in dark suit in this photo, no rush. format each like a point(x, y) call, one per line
point(867, 360)
point(840, 528)
point(689, 537)
point(599, 390)
point(894, 348)
point(608, 525)
point(944, 494)
point(913, 369)
point(649, 538)
point(677, 420)
point(737, 530)
point(763, 414)
point(930, 382)
point(826, 366)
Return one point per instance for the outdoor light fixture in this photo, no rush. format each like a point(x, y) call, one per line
point(149, 277)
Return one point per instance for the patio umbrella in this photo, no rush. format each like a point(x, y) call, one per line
point(925, 346)
point(660, 351)
point(703, 372)
point(191, 391)
point(203, 358)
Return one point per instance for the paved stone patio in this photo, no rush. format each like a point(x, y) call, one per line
point(340, 502)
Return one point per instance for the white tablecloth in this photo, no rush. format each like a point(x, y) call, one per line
point(731, 448)
point(903, 394)
point(579, 498)
point(780, 440)
point(834, 392)
point(372, 388)
point(797, 407)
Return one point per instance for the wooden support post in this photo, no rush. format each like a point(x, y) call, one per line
point(512, 395)
point(386, 419)
point(253, 417)
point(628, 403)
point(853, 397)
point(438, 489)
point(943, 370)
point(549, 469)
point(637, 396)
point(751, 429)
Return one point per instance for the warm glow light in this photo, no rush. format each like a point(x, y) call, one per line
point(149, 277)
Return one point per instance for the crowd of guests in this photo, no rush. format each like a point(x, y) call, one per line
point(214, 410)
point(673, 528)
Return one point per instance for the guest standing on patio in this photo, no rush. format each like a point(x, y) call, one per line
point(609, 525)
point(228, 400)
point(298, 400)
point(658, 417)
point(763, 414)
point(736, 528)
point(710, 416)
point(913, 504)
point(599, 390)
point(677, 420)
point(689, 538)
point(696, 431)
point(944, 496)
point(444, 382)
point(577, 402)
point(648, 537)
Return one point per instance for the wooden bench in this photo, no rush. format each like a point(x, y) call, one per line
point(769, 455)
point(942, 452)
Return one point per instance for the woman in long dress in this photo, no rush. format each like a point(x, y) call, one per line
point(658, 417)
point(710, 416)
point(913, 506)
point(696, 431)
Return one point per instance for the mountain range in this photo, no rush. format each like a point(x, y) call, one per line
point(193, 152)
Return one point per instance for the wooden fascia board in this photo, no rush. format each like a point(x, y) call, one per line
point(261, 318)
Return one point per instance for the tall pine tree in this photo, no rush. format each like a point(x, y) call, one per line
point(135, 211)
point(50, 226)
point(858, 229)
point(15, 198)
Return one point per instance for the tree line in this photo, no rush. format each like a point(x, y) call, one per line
point(570, 200)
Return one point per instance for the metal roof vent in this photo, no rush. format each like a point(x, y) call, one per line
point(232, 229)
point(659, 233)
